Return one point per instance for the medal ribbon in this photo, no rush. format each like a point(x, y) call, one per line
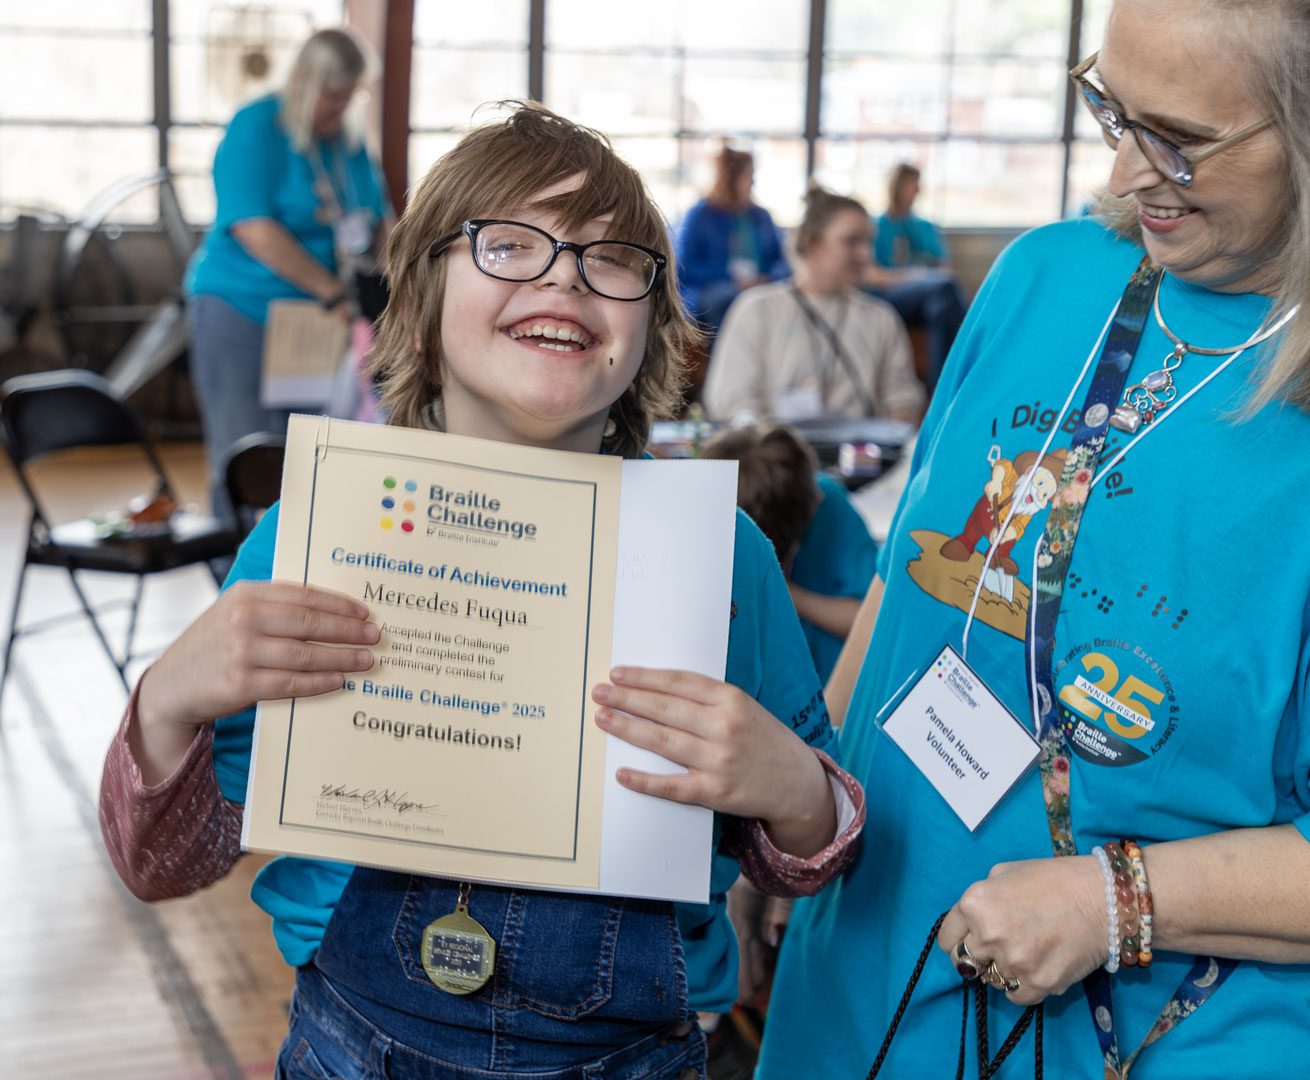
point(1056, 722)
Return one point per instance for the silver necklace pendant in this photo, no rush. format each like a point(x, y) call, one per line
point(1144, 401)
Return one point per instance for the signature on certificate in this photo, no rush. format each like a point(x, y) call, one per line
point(379, 799)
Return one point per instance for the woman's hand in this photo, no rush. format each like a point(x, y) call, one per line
point(259, 641)
point(1041, 921)
point(740, 759)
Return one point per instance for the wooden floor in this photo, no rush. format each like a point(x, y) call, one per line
point(94, 983)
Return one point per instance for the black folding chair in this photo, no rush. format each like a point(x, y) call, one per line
point(253, 476)
point(62, 410)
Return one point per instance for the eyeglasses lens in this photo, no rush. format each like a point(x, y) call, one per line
point(517, 253)
point(1163, 156)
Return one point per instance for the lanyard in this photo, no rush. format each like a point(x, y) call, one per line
point(833, 336)
point(339, 187)
point(1053, 558)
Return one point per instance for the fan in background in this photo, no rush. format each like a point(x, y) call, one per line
point(246, 47)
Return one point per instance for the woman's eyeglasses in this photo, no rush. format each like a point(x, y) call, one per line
point(512, 251)
point(1164, 155)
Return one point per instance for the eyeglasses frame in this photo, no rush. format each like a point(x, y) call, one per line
point(472, 227)
point(1191, 160)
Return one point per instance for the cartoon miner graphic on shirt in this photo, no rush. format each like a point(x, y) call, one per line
point(952, 568)
point(990, 511)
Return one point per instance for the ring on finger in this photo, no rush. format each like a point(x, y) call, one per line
point(964, 962)
point(993, 976)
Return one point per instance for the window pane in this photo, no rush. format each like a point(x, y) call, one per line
point(79, 15)
point(1089, 170)
point(983, 183)
point(448, 85)
point(620, 95)
point(191, 159)
point(918, 29)
point(1012, 28)
point(63, 169)
point(1095, 12)
point(1007, 97)
point(75, 77)
point(424, 149)
point(501, 22)
point(745, 95)
point(862, 167)
point(212, 80)
point(879, 97)
point(659, 162)
point(720, 26)
point(267, 20)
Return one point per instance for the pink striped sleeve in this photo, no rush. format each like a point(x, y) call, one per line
point(778, 874)
point(176, 837)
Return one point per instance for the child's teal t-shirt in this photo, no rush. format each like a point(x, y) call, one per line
point(258, 173)
point(837, 557)
point(767, 658)
point(1188, 596)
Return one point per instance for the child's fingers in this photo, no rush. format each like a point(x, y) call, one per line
point(669, 742)
point(309, 624)
point(310, 596)
point(679, 788)
point(665, 709)
point(683, 684)
point(285, 654)
point(276, 685)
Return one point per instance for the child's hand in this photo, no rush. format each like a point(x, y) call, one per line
point(259, 641)
point(740, 759)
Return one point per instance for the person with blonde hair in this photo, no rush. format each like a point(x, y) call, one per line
point(300, 204)
point(532, 303)
point(816, 346)
point(1137, 901)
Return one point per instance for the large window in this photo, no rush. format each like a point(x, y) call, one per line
point(974, 91)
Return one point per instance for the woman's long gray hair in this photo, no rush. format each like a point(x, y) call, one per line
point(1274, 36)
point(329, 58)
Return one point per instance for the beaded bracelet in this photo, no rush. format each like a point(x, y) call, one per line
point(1111, 911)
point(1125, 893)
point(1145, 905)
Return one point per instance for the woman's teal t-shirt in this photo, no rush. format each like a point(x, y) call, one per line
point(767, 658)
point(258, 173)
point(1191, 601)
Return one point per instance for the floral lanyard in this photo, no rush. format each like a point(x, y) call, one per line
point(1054, 554)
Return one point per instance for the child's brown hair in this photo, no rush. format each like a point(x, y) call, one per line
point(496, 168)
point(776, 482)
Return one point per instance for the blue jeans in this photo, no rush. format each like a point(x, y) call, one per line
point(227, 354)
point(329, 1040)
point(584, 988)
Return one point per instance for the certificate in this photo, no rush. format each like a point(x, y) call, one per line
point(500, 582)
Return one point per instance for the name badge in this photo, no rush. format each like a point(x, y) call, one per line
point(797, 403)
point(960, 736)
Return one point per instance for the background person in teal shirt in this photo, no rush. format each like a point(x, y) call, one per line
point(1181, 652)
point(299, 204)
point(911, 270)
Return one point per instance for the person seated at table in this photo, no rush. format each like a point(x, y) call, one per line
point(817, 346)
point(727, 243)
point(823, 546)
point(911, 270)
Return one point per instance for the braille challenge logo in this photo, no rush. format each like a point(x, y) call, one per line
point(391, 509)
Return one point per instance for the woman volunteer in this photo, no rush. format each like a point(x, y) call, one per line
point(1063, 531)
point(299, 201)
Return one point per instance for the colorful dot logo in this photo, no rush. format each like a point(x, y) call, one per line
point(388, 522)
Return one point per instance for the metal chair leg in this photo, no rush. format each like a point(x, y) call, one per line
point(104, 642)
point(131, 619)
point(13, 626)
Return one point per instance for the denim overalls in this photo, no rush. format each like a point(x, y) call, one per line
point(585, 988)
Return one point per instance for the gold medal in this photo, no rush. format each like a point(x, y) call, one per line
point(458, 953)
